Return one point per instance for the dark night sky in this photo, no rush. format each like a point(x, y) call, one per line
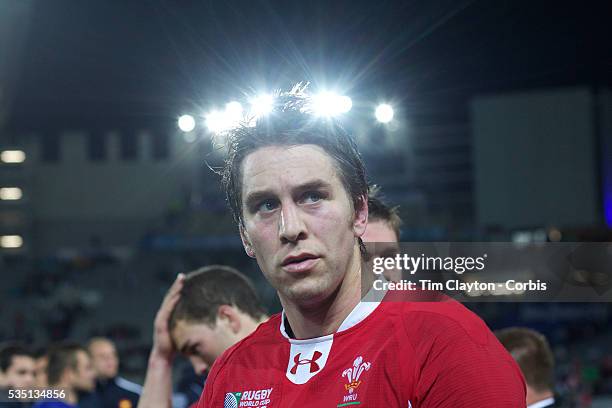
point(145, 59)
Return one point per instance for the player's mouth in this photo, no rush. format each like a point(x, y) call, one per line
point(301, 262)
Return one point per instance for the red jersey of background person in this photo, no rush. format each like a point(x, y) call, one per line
point(390, 354)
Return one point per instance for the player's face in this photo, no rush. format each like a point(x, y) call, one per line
point(20, 374)
point(299, 221)
point(202, 343)
point(104, 359)
point(384, 244)
point(83, 378)
point(379, 231)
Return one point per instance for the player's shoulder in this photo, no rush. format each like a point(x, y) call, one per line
point(445, 317)
point(244, 354)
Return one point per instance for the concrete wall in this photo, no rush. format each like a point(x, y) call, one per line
point(535, 159)
point(74, 199)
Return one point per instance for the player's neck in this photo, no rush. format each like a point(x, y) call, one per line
point(534, 396)
point(321, 319)
point(249, 324)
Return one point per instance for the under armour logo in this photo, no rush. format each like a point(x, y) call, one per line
point(314, 367)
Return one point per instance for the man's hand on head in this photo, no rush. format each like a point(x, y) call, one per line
point(163, 346)
point(157, 389)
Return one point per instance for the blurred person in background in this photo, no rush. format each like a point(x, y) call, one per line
point(204, 313)
point(69, 372)
point(41, 361)
point(384, 222)
point(531, 351)
point(111, 389)
point(17, 372)
point(383, 230)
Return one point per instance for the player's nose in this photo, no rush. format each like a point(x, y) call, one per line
point(199, 367)
point(291, 227)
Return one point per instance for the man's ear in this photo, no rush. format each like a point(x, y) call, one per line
point(246, 242)
point(361, 217)
point(230, 316)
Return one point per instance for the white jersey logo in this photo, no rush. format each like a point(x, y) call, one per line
point(250, 398)
point(354, 373)
point(306, 360)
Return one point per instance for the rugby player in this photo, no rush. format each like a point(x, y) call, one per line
point(383, 230)
point(384, 222)
point(204, 313)
point(297, 188)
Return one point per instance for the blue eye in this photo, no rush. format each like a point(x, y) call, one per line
point(266, 206)
point(312, 197)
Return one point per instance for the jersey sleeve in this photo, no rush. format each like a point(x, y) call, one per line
point(211, 379)
point(462, 366)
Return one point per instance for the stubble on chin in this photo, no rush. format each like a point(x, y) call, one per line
point(310, 290)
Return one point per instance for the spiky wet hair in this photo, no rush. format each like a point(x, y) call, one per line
point(291, 122)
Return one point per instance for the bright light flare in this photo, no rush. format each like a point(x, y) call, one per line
point(186, 123)
point(222, 121)
point(344, 104)
point(10, 193)
point(11, 241)
point(13, 156)
point(216, 121)
point(384, 113)
point(234, 110)
point(331, 104)
point(261, 105)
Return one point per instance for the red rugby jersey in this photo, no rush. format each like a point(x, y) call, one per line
point(390, 354)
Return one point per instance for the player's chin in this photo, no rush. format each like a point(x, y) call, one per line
point(309, 291)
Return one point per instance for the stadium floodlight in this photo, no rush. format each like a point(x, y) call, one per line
point(384, 113)
point(10, 193)
point(331, 104)
point(11, 241)
point(13, 156)
point(261, 105)
point(186, 123)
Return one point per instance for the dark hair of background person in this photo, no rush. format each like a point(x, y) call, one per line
point(378, 210)
point(531, 351)
point(40, 352)
point(10, 350)
point(207, 288)
point(62, 356)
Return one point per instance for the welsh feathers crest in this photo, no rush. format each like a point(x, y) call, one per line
point(352, 374)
